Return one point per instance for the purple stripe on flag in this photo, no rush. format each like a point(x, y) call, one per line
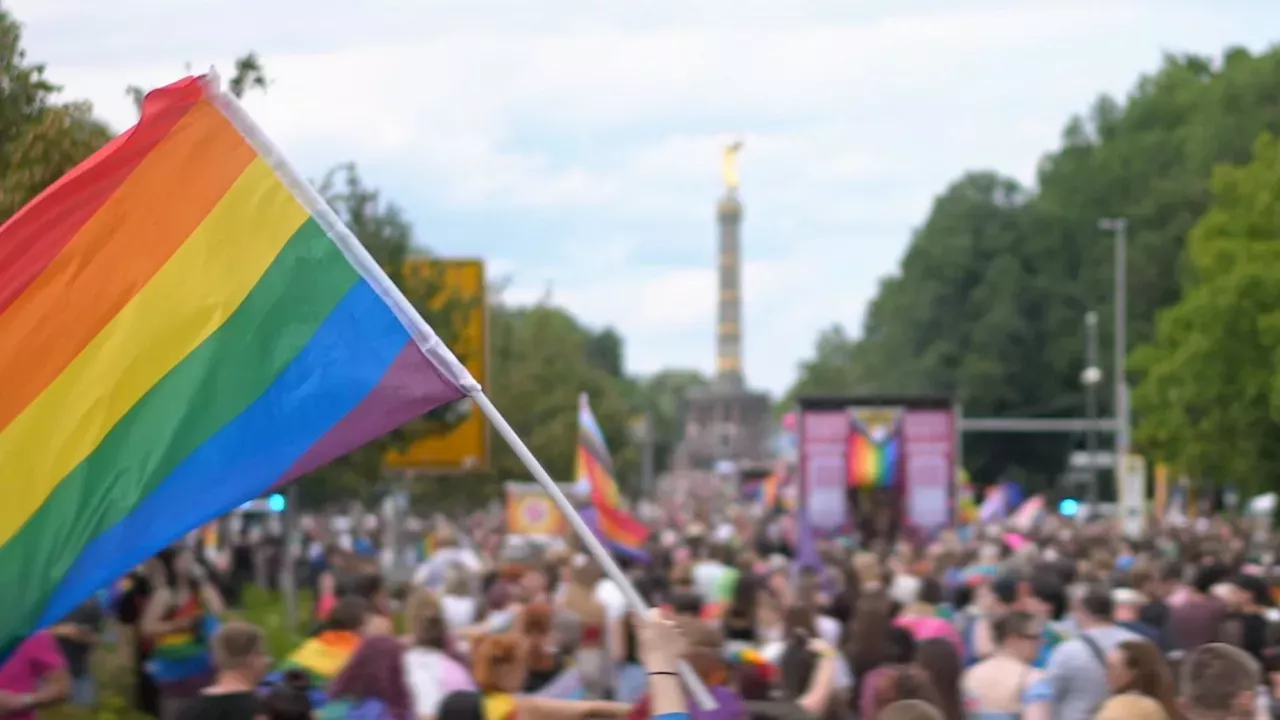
point(411, 387)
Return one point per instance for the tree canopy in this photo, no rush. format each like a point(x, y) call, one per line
point(989, 301)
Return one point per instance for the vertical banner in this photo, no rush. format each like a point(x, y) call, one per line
point(929, 450)
point(1133, 495)
point(823, 470)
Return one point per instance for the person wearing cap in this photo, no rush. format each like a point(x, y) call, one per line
point(1127, 605)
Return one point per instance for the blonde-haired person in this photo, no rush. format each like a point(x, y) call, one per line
point(430, 672)
point(1131, 706)
point(866, 566)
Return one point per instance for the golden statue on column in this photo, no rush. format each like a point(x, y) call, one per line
point(729, 166)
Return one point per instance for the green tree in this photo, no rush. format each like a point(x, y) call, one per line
point(1209, 399)
point(383, 229)
point(663, 396)
point(1004, 332)
point(541, 360)
point(40, 139)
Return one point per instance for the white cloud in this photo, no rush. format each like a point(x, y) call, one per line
point(577, 141)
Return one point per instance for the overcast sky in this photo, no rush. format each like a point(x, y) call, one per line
point(574, 144)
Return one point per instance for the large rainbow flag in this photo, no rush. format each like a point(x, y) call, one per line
point(873, 461)
point(184, 323)
point(594, 471)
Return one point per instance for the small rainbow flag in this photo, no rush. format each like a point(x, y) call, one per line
point(184, 324)
point(594, 470)
point(323, 656)
point(872, 463)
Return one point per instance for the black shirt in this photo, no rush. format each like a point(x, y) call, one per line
point(223, 706)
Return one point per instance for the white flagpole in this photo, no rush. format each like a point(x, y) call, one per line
point(691, 680)
point(431, 345)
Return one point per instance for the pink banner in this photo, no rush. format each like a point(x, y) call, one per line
point(823, 435)
point(929, 474)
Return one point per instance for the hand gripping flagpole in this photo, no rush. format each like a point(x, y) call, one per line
point(431, 344)
point(691, 680)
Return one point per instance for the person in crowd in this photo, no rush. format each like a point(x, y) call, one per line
point(179, 618)
point(78, 634)
point(372, 588)
point(1245, 624)
point(290, 698)
point(241, 660)
point(1128, 604)
point(133, 592)
point(458, 603)
point(579, 602)
point(430, 671)
point(324, 655)
point(806, 682)
point(867, 644)
point(34, 677)
point(992, 598)
point(1133, 707)
point(899, 652)
point(910, 710)
point(543, 661)
point(940, 660)
point(897, 683)
point(921, 617)
point(500, 670)
point(1139, 667)
point(1197, 619)
point(1077, 668)
point(1005, 686)
point(371, 686)
point(1219, 682)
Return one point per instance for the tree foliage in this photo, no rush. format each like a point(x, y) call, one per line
point(40, 138)
point(542, 358)
point(1209, 399)
point(989, 301)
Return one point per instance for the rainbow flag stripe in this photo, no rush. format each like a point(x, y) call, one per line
point(323, 656)
point(594, 469)
point(871, 463)
point(184, 324)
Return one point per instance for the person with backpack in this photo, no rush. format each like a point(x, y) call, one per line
point(1077, 668)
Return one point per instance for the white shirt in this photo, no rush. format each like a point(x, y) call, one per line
point(706, 578)
point(609, 595)
point(459, 611)
point(423, 671)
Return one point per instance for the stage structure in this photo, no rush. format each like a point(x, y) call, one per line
point(881, 465)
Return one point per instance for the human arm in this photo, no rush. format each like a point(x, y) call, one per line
point(817, 697)
point(153, 623)
point(661, 646)
point(210, 596)
point(1037, 697)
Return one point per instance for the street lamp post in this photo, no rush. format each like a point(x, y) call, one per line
point(1120, 228)
point(642, 434)
point(1089, 378)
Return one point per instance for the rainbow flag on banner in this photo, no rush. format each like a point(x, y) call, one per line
point(323, 656)
point(594, 471)
point(184, 324)
point(874, 449)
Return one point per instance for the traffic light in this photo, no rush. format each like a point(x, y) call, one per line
point(276, 503)
point(1068, 507)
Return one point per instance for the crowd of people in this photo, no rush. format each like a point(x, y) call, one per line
point(1064, 621)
